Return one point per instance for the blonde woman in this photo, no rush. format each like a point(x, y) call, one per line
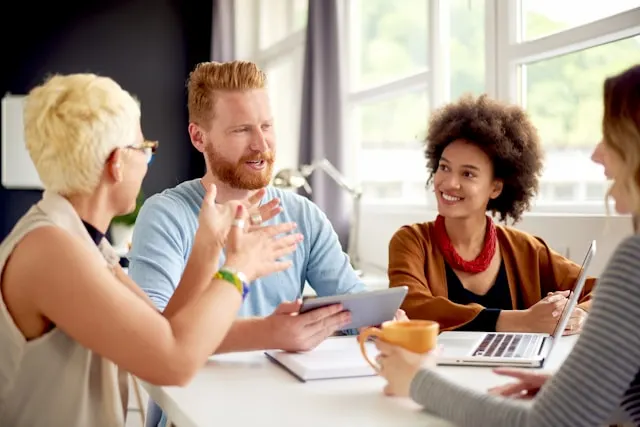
point(71, 322)
point(600, 380)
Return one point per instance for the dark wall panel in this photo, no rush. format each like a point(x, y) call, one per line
point(148, 46)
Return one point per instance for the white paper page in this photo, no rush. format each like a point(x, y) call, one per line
point(339, 357)
point(338, 352)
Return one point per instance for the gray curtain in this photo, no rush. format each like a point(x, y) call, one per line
point(222, 33)
point(321, 121)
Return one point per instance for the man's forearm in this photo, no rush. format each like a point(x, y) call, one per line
point(247, 335)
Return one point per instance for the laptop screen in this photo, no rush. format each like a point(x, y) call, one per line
point(574, 294)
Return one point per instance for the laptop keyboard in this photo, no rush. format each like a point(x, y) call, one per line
point(508, 345)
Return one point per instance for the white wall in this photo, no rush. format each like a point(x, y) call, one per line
point(18, 171)
point(569, 235)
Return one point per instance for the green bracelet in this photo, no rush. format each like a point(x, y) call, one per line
point(237, 279)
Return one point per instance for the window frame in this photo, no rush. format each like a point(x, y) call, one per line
point(512, 51)
point(276, 51)
point(279, 51)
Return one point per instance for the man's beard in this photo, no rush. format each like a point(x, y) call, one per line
point(238, 175)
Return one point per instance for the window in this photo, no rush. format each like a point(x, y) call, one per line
point(596, 191)
point(389, 41)
point(563, 95)
point(279, 19)
point(283, 73)
point(273, 36)
point(396, 122)
point(544, 17)
point(273, 22)
point(545, 192)
point(400, 66)
point(564, 191)
point(404, 58)
point(383, 190)
point(300, 12)
point(555, 65)
point(407, 57)
point(467, 47)
point(390, 132)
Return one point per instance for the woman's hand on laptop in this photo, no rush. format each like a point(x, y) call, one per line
point(528, 385)
point(577, 319)
point(542, 317)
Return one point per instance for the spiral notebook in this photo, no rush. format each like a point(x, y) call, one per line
point(336, 357)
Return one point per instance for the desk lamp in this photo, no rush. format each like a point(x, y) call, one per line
point(294, 179)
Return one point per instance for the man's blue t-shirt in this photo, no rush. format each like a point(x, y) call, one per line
point(163, 238)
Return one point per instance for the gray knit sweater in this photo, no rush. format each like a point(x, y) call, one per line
point(599, 379)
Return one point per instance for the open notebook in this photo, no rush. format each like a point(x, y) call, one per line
point(336, 357)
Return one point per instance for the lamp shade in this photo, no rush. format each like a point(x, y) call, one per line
point(290, 179)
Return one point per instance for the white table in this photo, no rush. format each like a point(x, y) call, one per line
point(246, 389)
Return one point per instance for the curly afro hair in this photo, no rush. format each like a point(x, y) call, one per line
point(505, 133)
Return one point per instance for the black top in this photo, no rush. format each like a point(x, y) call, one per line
point(96, 235)
point(498, 298)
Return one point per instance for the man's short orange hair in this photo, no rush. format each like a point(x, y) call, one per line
point(209, 77)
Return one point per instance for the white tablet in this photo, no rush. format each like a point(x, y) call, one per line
point(369, 308)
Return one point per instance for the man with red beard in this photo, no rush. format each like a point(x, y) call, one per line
point(230, 122)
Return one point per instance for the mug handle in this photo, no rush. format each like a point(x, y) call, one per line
point(362, 339)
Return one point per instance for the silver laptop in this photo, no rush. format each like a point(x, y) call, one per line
point(510, 348)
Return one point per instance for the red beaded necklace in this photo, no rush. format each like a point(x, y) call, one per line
point(482, 261)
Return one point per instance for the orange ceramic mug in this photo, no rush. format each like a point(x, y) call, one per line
point(418, 336)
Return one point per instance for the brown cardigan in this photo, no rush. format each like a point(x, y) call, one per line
point(533, 270)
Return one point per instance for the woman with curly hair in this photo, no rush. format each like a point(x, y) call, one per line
point(599, 382)
point(463, 270)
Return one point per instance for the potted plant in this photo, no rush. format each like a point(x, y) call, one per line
point(121, 229)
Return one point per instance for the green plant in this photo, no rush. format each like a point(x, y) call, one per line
point(130, 218)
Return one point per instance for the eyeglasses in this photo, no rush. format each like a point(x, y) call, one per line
point(149, 148)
